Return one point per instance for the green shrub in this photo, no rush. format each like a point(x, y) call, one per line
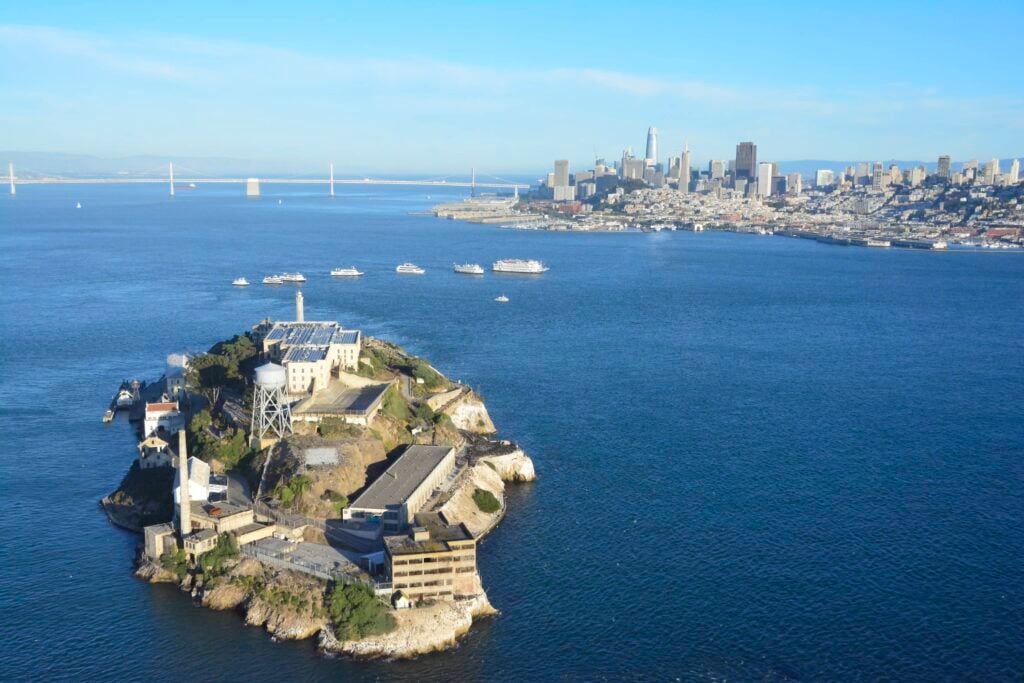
point(356, 612)
point(486, 501)
point(432, 379)
point(395, 406)
point(336, 426)
point(175, 563)
point(338, 500)
point(425, 412)
point(213, 561)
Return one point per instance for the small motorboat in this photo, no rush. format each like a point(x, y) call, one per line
point(501, 299)
point(240, 282)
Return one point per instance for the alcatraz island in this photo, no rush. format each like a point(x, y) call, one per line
point(324, 483)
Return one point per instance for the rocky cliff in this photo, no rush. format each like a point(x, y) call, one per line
point(469, 414)
point(419, 631)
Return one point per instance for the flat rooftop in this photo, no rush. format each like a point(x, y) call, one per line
point(312, 333)
point(340, 399)
point(217, 510)
point(396, 484)
point(305, 354)
point(438, 541)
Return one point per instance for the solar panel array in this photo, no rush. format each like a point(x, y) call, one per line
point(305, 354)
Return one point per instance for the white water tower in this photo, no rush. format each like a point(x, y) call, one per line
point(271, 415)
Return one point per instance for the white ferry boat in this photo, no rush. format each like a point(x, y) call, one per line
point(240, 282)
point(515, 265)
point(468, 268)
point(346, 272)
point(292, 277)
point(273, 280)
point(501, 299)
point(409, 269)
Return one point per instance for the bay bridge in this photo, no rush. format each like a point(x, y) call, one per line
point(193, 177)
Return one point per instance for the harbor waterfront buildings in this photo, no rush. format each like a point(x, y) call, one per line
point(868, 203)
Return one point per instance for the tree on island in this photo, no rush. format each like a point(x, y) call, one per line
point(356, 612)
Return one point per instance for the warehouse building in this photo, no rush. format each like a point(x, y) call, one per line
point(404, 487)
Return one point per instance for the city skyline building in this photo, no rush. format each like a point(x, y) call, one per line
point(764, 179)
point(684, 169)
point(823, 177)
point(877, 176)
point(716, 169)
point(746, 160)
point(944, 166)
point(652, 146)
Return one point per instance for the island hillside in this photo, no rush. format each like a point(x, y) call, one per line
point(358, 525)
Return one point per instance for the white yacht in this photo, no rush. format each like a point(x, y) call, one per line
point(78, 205)
point(240, 282)
point(273, 280)
point(501, 299)
point(292, 277)
point(409, 269)
point(515, 265)
point(468, 268)
point(346, 272)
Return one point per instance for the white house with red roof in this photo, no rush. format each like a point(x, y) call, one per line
point(162, 416)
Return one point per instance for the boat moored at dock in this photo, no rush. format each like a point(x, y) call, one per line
point(273, 280)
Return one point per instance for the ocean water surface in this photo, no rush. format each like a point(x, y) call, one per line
point(759, 458)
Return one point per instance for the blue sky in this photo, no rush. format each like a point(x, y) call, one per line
point(508, 87)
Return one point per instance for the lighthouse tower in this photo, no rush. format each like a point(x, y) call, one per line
point(300, 309)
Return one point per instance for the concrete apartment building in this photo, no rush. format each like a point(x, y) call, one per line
point(437, 561)
point(404, 487)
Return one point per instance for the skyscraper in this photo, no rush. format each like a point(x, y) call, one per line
point(562, 191)
point(684, 170)
point(795, 183)
point(823, 177)
point(877, 179)
point(944, 166)
point(652, 146)
point(764, 179)
point(746, 160)
point(716, 168)
point(1014, 176)
point(561, 173)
